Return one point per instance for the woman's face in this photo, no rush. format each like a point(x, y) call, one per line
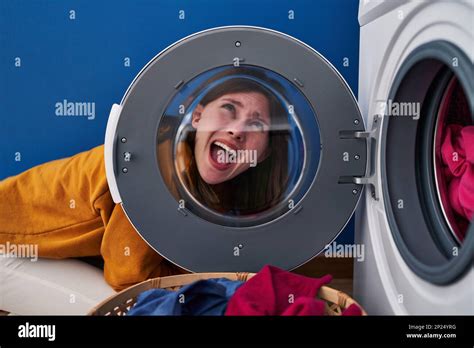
point(231, 135)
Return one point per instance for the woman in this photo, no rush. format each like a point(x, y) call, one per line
point(234, 158)
point(65, 209)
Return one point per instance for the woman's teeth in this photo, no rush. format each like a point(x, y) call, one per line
point(224, 147)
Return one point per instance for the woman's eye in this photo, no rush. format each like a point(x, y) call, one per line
point(229, 107)
point(258, 125)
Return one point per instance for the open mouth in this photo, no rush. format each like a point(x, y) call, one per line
point(220, 153)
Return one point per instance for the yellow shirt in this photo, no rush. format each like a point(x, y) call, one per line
point(65, 208)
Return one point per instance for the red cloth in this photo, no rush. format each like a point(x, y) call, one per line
point(457, 151)
point(304, 306)
point(352, 311)
point(273, 291)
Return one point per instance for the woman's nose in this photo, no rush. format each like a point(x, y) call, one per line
point(237, 130)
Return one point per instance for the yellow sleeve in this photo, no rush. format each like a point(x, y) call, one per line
point(65, 208)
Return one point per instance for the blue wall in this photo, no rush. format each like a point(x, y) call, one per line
point(82, 59)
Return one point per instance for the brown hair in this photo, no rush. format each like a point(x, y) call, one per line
point(259, 187)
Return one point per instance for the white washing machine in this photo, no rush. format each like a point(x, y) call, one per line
point(416, 80)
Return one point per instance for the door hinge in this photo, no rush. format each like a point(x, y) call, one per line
point(372, 138)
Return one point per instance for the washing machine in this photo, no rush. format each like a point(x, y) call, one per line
point(241, 146)
point(416, 90)
point(237, 147)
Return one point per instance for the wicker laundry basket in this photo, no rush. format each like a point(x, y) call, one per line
point(120, 304)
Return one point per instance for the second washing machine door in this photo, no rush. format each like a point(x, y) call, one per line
point(426, 161)
point(237, 147)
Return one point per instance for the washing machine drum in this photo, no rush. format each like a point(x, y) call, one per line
point(234, 148)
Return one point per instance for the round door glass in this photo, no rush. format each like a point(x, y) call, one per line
point(238, 146)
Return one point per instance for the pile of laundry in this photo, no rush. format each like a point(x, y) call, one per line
point(271, 291)
point(457, 152)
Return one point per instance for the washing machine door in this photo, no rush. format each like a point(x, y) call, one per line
point(237, 147)
point(425, 171)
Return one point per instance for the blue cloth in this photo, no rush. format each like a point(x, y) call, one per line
point(203, 297)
